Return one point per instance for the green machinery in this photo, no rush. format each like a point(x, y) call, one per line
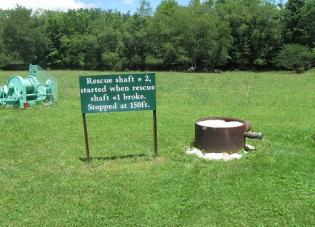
point(38, 87)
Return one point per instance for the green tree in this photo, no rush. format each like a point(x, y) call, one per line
point(294, 29)
point(3, 57)
point(53, 27)
point(308, 22)
point(105, 41)
point(295, 57)
point(24, 38)
point(210, 39)
point(111, 46)
point(266, 34)
point(145, 8)
point(73, 51)
point(255, 28)
point(205, 34)
point(168, 32)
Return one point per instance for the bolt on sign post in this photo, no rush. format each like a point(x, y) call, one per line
point(118, 93)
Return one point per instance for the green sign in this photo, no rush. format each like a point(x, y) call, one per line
point(114, 93)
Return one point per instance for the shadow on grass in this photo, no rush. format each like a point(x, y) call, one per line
point(113, 157)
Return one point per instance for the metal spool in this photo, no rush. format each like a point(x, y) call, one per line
point(38, 87)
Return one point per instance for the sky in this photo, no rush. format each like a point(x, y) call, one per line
point(63, 5)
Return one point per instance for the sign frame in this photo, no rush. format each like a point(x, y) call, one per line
point(154, 112)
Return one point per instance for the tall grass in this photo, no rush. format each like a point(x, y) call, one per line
point(44, 182)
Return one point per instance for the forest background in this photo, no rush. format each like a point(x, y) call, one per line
point(203, 36)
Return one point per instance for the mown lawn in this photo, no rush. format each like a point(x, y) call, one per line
point(44, 183)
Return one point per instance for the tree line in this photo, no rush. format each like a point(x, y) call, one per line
point(205, 35)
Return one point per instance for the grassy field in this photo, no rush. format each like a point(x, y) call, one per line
point(44, 183)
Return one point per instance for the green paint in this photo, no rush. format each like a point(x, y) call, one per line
point(116, 93)
point(38, 87)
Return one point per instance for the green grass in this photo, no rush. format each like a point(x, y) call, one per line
point(44, 183)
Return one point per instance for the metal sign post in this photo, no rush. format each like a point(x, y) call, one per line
point(155, 149)
point(86, 138)
point(118, 93)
